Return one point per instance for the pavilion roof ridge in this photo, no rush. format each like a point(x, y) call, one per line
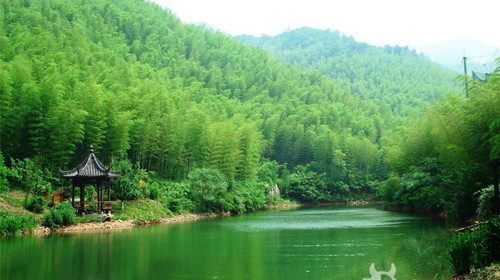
point(91, 167)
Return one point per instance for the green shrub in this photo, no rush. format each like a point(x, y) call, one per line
point(13, 224)
point(153, 191)
point(62, 215)
point(475, 249)
point(176, 198)
point(29, 222)
point(490, 234)
point(129, 186)
point(4, 171)
point(36, 204)
point(307, 185)
point(249, 196)
point(485, 202)
point(9, 223)
point(209, 190)
point(466, 251)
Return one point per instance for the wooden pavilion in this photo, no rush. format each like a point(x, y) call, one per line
point(91, 172)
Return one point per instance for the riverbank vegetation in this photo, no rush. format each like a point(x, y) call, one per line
point(16, 220)
point(442, 160)
point(475, 249)
point(12, 224)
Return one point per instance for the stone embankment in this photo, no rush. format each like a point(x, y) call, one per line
point(120, 224)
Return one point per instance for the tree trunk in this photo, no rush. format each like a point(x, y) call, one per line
point(26, 198)
point(123, 206)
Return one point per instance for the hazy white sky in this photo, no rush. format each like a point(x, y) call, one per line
point(377, 22)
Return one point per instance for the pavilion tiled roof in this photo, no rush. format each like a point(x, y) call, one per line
point(91, 167)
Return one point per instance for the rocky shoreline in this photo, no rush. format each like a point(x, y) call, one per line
point(124, 224)
point(491, 272)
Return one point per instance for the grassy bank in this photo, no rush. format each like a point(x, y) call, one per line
point(141, 210)
point(14, 219)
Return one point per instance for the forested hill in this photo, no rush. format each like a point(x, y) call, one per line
point(131, 79)
point(396, 75)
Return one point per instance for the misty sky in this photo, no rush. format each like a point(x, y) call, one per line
point(377, 22)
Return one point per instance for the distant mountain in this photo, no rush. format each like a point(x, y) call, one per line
point(480, 56)
point(394, 76)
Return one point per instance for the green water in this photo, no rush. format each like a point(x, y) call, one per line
point(314, 243)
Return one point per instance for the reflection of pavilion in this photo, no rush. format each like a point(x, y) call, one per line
point(91, 172)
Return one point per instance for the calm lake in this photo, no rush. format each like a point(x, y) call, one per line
point(338, 242)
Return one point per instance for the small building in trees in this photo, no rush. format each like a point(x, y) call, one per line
point(58, 196)
point(91, 172)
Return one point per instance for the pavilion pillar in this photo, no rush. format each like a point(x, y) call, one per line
point(73, 195)
point(109, 192)
point(82, 199)
point(105, 184)
point(98, 208)
point(99, 197)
